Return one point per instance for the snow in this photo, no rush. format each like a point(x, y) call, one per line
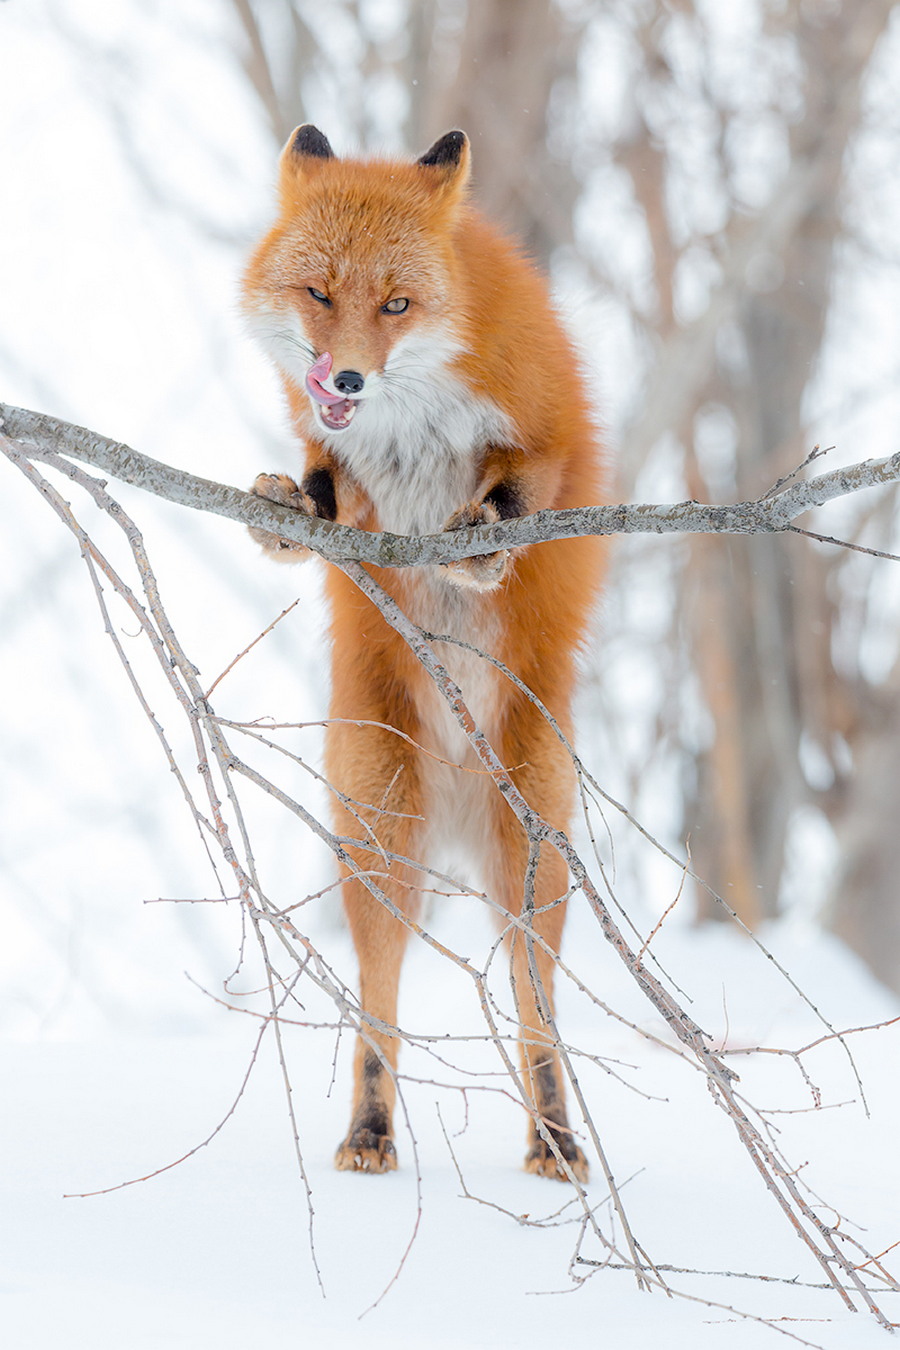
point(115, 1058)
point(215, 1251)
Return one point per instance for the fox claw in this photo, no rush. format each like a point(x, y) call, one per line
point(542, 1162)
point(365, 1151)
point(485, 572)
point(278, 488)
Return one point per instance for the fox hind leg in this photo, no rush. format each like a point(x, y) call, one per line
point(533, 969)
point(378, 770)
point(541, 1067)
point(380, 940)
point(533, 965)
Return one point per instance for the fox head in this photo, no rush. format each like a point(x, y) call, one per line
point(354, 289)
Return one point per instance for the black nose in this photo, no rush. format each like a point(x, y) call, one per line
point(349, 382)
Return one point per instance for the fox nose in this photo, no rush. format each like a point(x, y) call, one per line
point(349, 382)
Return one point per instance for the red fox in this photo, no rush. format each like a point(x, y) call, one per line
point(432, 387)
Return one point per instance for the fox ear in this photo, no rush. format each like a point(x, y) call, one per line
point(306, 150)
point(308, 142)
point(448, 159)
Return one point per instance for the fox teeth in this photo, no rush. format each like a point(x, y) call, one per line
point(338, 415)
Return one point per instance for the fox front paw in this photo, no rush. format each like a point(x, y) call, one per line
point(277, 487)
point(481, 573)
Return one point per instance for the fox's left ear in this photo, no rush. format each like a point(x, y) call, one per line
point(448, 160)
point(307, 142)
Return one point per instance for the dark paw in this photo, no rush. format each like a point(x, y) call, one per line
point(366, 1151)
point(541, 1160)
point(485, 572)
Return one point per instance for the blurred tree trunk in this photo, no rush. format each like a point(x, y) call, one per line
point(757, 617)
point(788, 688)
point(511, 62)
point(864, 905)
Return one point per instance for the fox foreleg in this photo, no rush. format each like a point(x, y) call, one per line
point(278, 488)
point(314, 497)
point(504, 499)
point(482, 573)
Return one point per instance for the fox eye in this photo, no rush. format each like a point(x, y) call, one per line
point(319, 295)
point(397, 306)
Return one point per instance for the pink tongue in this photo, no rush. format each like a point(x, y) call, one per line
point(318, 371)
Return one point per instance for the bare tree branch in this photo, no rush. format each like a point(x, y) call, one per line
point(40, 436)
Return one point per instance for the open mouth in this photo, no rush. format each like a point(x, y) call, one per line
point(335, 411)
point(337, 416)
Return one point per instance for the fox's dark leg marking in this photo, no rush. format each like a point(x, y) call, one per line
point(369, 1146)
point(551, 1105)
point(507, 500)
point(319, 487)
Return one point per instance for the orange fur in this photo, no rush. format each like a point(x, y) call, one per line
point(465, 403)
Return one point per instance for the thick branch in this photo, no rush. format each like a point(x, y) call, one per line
point(40, 436)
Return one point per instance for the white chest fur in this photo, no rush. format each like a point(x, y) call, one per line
point(417, 438)
point(415, 446)
point(459, 801)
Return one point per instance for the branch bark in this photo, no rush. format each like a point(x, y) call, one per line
point(39, 436)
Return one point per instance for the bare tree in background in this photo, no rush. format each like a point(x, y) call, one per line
point(727, 384)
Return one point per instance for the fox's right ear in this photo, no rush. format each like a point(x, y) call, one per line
point(447, 161)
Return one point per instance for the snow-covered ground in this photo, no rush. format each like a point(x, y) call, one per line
point(215, 1253)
